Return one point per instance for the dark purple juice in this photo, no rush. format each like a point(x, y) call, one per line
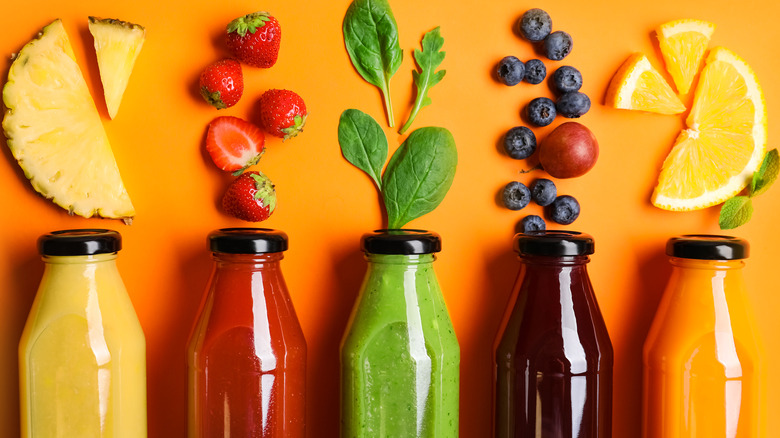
point(553, 356)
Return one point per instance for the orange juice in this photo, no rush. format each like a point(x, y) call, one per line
point(703, 363)
point(82, 356)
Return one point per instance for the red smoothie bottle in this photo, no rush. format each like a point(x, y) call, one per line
point(247, 354)
point(553, 353)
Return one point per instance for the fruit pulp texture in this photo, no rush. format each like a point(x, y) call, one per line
point(703, 362)
point(82, 355)
point(400, 357)
point(247, 354)
point(553, 355)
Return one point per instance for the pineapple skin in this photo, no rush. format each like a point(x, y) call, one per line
point(55, 133)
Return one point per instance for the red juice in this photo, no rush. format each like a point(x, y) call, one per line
point(247, 354)
point(553, 355)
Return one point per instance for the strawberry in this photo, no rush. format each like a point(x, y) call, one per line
point(250, 197)
point(234, 144)
point(282, 113)
point(222, 83)
point(254, 39)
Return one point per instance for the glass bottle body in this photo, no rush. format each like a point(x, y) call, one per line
point(247, 354)
point(400, 357)
point(703, 362)
point(82, 355)
point(553, 357)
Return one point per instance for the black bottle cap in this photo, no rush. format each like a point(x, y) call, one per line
point(247, 241)
point(401, 242)
point(554, 243)
point(708, 247)
point(81, 242)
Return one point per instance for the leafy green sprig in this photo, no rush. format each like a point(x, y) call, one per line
point(419, 173)
point(371, 38)
point(428, 60)
point(738, 210)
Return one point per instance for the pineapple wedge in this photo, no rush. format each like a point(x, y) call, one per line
point(55, 132)
point(117, 44)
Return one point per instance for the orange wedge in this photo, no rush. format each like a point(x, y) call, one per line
point(637, 85)
point(724, 143)
point(683, 43)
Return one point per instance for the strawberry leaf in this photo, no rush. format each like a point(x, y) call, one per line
point(248, 23)
point(428, 60)
point(735, 212)
point(766, 174)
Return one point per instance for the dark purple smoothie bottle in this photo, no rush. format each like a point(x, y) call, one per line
point(553, 353)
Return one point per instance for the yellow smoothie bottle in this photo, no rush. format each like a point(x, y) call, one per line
point(82, 356)
point(704, 370)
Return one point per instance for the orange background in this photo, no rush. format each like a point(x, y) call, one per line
point(325, 204)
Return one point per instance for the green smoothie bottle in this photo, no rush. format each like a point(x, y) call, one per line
point(400, 357)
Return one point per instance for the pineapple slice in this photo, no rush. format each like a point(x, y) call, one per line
point(117, 44)
point(55, 133)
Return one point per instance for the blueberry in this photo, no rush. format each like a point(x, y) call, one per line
point(535, 71)
point(564, 210)
point(541, 111)
point(543, 192)
point(510, 70)
point(572, 105)
point(516, 195)
point(558, 45)
point(534, 25)
point(520, 142)
point(532, 223)
point(567, 79)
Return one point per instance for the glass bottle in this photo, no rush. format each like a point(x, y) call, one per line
point(703, 361)
point(553, 352)
point(400, 357)
point(82, 355)
point(247, 354)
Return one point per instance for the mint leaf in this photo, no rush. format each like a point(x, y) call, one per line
point(428, 60)
point(735, 212)
point(766, 174)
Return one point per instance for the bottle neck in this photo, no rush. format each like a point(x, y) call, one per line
point(541, 262)
point(710, 265)
point(411, 261)
point(248, 261)
point(80, 260)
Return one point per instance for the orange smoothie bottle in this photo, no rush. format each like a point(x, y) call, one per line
point(82, 355)
point(703, 362)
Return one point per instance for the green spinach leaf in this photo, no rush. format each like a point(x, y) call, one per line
point(428, 60)
point(419, 175)
point(371, 38)
point(363, 143)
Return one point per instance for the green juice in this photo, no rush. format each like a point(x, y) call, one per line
point(400, 356)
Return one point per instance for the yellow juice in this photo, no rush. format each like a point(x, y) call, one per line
point(703, 362)
point(82, 355)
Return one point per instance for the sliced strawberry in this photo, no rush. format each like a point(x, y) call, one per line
point(234, 144)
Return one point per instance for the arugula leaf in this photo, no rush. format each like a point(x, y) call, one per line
point(428, 59)
point(766, 174)
point(363, 143)
point(371, 38)
point(735, 212)
point(419, 175)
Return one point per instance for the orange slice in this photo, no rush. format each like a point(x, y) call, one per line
point(683, 43)
point(724, 143)
point(637, 85)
